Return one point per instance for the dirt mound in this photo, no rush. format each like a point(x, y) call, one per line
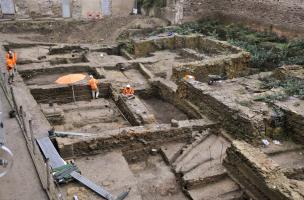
point(104, 31)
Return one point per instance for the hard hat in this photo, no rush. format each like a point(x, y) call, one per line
point(128, 86)
point(189, 77)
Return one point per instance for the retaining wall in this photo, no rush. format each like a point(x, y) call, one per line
point(260, 176)
point(63, 94)
point(226, 113)
point(130, 139)
point(285, 16)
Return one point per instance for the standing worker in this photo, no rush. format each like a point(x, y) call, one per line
point(128, 91)
point(10, 65)
point(13, 55)
point(94, 88)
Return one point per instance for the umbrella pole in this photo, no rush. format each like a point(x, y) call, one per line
point(73, 94)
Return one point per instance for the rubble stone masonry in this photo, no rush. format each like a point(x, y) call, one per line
point(279, 15)
point(261, 177)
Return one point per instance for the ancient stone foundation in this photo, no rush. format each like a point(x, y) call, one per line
point(260, 176)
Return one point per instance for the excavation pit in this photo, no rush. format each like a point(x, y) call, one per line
point(161, 63)
point(41, 54)
point(147, 180)
point(197, 55)
point(62, 94)
point(171, 140)
point(48, 75)
point(155, 180)
point(105, 59)
point(163, 111)
point(85, 117)
point(126, 75)
point(109, 170)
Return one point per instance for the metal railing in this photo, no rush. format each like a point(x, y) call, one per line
point(25, 123)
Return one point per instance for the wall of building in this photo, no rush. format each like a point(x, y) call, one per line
point(122, 7)
point(78, 8)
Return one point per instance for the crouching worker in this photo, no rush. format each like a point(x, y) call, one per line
point(10, 65)
point(93, 83)
point(128, 92)
point(189, 78)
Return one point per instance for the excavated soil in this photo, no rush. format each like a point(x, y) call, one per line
point(104, 31)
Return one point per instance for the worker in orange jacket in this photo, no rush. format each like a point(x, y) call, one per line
point(128, 91)
point(10, 66)
point(93, 83)
point(189, 78)
point(11, 55)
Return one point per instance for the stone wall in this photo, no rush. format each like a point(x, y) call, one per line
point(131, 138)
point(63, 94)
point(248, 126)
point(135, 111)
point(226, 59)
point(260, 176)
point(78, 8)
point(283, 15)
point(167, 91)
point(294, 115)
point(235, 65)
point(37, 9)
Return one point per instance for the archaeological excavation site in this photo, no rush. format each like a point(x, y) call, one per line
point(151, 100)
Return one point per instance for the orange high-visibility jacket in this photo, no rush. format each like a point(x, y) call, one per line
point(128, 91)
point(8, 56)
point(9, 64)
point(93, 83)
point(15, 58)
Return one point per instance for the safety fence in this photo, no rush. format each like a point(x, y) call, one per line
point(25, 123)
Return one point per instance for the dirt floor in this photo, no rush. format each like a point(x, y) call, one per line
point(155, 180)
point(162, 62)
point(91, 117)
point(148, 180)
point(163, 111)
point(47, 79)
point(126, 77)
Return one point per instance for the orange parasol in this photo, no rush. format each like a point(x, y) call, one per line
point(70, 79)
